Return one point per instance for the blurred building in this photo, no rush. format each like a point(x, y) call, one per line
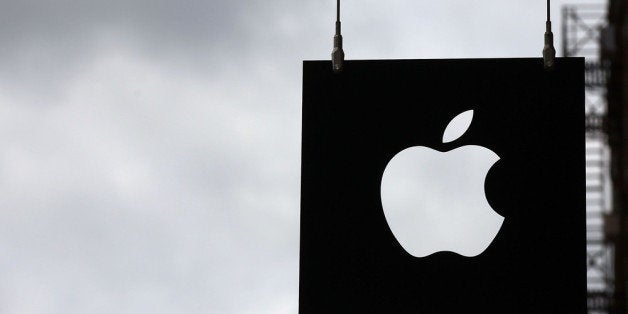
point(614, 56)
point(581, 30)
point(600, 34)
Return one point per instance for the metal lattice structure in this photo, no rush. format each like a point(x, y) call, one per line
point(581, 29)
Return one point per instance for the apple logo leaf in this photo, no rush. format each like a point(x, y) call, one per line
point(457, 126)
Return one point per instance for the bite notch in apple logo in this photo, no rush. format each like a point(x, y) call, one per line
point(435, 201)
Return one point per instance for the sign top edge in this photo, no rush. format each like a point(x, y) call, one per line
point(446, 59)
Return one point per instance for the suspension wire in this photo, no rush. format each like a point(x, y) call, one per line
point(337, 54)
point(549, 53)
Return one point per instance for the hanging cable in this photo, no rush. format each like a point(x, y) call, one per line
point(337, 55)
point(549, 53)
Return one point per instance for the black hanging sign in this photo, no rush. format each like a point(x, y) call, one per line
point(443, 186)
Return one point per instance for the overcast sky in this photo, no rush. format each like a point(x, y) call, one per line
point(149, 150)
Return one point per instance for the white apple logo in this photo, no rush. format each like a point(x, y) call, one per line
point(435, 201)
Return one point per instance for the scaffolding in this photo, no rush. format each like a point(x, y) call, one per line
point(581, 29)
